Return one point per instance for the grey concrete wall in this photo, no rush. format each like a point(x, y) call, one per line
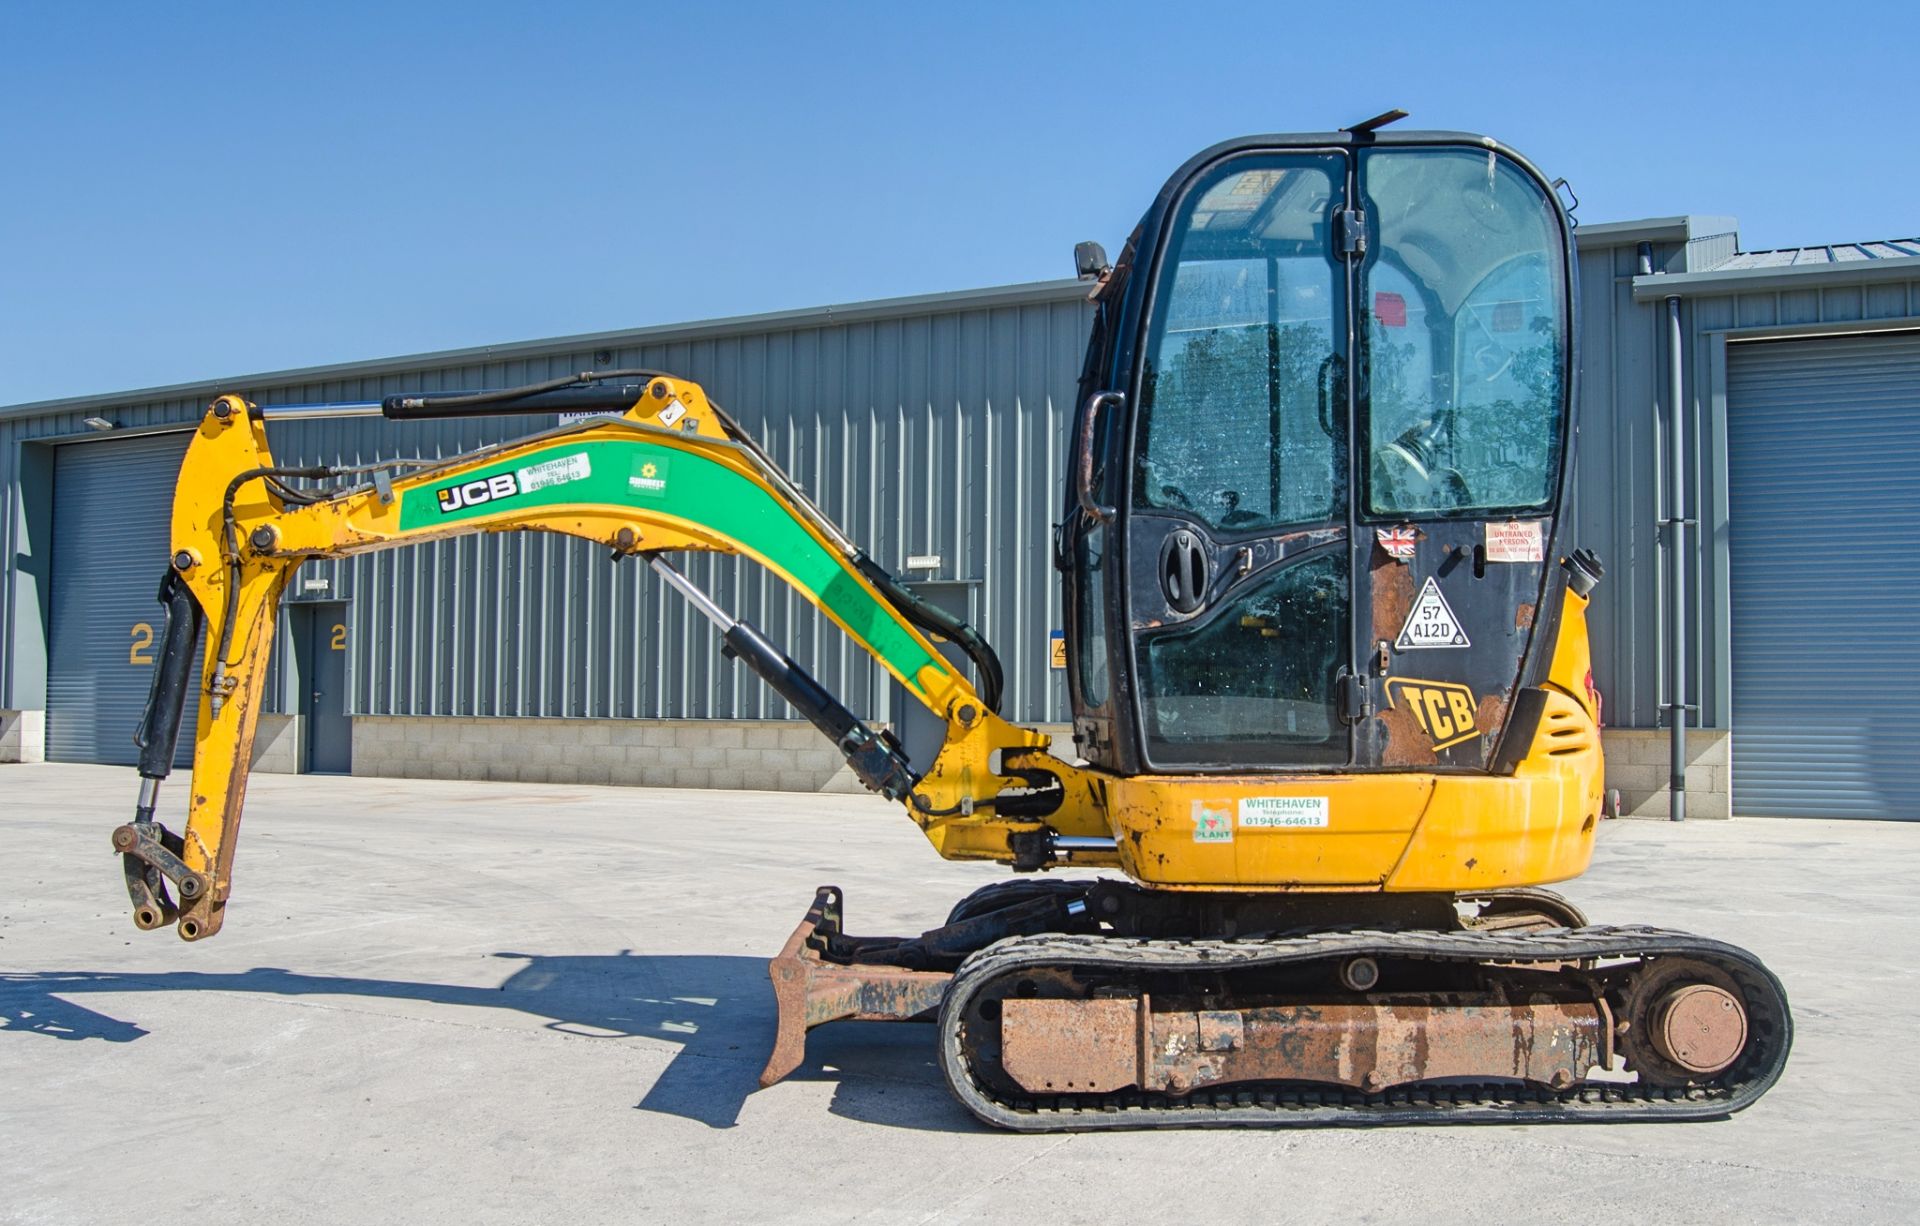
point(770, 755)
point(758, 754)
point(1638, 763)
point(276, 745)
point(790, 756)
point(23, 736)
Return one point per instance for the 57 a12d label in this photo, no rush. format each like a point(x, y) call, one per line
point(1431, 623)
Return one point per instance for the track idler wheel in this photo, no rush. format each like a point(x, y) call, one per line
point(1699, 1027)
point(1683, 1023)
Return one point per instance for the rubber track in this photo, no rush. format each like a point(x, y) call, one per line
point(1770, 1031)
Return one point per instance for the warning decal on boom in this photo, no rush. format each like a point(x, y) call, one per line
point(1432, 623)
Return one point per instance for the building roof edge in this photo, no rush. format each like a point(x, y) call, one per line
point(766, 321)
point(1751, 280)
point(1680, 228)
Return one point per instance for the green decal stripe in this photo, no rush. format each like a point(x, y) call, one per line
point(693, 488)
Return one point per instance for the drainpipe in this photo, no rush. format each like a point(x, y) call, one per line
point(1676, 540)
point(1677, 559)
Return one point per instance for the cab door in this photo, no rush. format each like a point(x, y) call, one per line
point(1462, 412)
point(1234, 532)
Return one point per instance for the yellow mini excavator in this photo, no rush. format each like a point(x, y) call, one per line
point(1327, 652)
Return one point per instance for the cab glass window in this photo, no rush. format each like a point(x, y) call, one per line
point(1463, 334)
point(1242, 403)
point(1254, 683)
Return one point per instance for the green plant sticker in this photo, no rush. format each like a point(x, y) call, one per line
point(1212, 823)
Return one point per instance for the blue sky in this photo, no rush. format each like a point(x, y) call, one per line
point(195, 190)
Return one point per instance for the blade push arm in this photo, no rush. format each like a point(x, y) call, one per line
point(667, 475)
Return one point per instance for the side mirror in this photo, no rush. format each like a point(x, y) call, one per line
point(1089, 420)
point(1090, 261)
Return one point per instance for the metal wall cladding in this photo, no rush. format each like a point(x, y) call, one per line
point(935, 426)
point(1824, 477)
point(1619, 488)
point(937, 430)
point(1622, 490)
point(26, 534)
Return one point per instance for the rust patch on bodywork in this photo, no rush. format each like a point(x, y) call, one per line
point(1406, 743)
point(1491, 716)
point(1392, 585)
point(1061, 1046)
point(1072, 1046)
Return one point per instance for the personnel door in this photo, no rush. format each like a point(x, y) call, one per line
point(323, 643)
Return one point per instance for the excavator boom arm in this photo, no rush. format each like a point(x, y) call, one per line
point(668, 475)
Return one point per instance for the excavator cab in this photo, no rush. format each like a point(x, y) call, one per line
point(1324, 437)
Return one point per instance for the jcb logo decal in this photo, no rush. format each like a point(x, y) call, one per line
point(473, 493)
point(1443, 709)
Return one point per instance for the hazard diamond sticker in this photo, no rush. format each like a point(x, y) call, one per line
point(1432, 623)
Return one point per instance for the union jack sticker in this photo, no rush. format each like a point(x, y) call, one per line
point(1398, 542)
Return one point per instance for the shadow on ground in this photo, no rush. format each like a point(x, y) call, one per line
point(718, 1010)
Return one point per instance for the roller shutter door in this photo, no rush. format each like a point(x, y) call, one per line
point(1824, 487)
point(112, 501)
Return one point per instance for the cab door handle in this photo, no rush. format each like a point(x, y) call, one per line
point(1089, 419)
point(1183, 571)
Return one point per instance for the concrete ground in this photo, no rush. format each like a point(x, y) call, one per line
point(473, 1003)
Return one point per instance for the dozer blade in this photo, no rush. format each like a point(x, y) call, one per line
point(809, 989)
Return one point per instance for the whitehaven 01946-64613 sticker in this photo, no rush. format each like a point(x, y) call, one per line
point(574, 467)
point(1283, 812)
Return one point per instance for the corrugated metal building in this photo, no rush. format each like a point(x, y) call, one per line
point(936, 426)
point(1800, 408)
point(925, 426)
